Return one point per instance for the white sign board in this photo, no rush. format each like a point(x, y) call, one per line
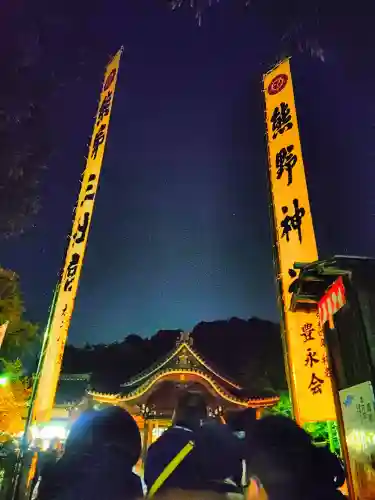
point(358, 410)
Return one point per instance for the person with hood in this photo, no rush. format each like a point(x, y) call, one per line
point(195, 454)
point(101, 450)
point(284, 464)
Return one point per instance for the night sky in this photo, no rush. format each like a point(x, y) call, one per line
point(181, 232)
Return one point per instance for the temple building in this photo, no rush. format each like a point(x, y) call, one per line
point(151, 395)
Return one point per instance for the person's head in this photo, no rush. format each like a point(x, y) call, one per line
point(219, 452)
point(191, 410)
point(101, 450)
point(112, 427)
point(282, 457)
point(242, 420)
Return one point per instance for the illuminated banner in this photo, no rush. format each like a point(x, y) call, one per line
point(3, 329)
point(309, 377)
point(74, 258)
point(332, 302)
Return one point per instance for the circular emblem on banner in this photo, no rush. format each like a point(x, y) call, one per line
point(277, 84)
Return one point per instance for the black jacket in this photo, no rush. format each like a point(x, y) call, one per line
point(216, 456)
point(96, 476)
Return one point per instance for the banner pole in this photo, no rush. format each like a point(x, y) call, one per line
point(281, 304)
point(41, 361)
point(279, 286)
point(56, 332)
point(25, 440)
point(75, 253)
point(293, 229)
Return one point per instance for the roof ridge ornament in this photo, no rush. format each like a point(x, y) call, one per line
point(184, 338)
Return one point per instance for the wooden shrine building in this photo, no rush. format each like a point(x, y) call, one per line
point(151, 396)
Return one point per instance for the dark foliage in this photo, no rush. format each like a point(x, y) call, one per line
point(23, 146)
point(37, 64)
point(249, 351)
point(21, 335)
point(314, 27)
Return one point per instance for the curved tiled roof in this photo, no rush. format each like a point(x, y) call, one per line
point(148, 384)
point(169, 357)
point(184, 360)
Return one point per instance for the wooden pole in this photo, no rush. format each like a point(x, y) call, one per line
point(18, 471)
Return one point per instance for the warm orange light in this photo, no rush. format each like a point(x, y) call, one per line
point(166, 373)
point(175, 352)
point(105, 398)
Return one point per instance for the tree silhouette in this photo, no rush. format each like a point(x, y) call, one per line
point(47, 49)
point(23, 132)
point(248, 351)
point(314, 27)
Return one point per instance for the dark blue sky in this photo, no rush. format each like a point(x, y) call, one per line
point(180, 231)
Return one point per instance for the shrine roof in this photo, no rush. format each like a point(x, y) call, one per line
point(184, 361)
point(182, 356)
point(133, 397)
point(71, 388)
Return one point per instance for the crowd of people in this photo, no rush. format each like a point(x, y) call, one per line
point(196, 458)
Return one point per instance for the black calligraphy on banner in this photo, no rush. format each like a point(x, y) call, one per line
point(285, 161)
point(90, 189)
point(110, 79)
point(311, 358)
point(104, 107)
point(315, 385)
point(63, 314)
point(71, 272)
point(98, 140)
point(83, 225)
point(307, 332)
point(321, 336)
point(292, 222)
point(327, 369)
point(60, 355)
point(281, 119)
